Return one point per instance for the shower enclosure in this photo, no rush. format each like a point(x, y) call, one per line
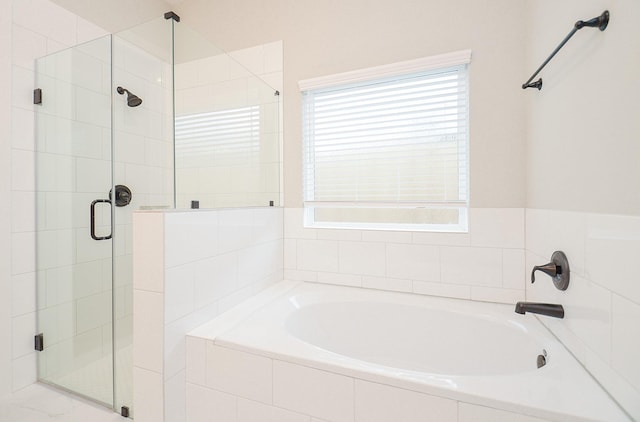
point(151, 117)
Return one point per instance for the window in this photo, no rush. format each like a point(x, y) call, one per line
point(387, 148)
point(225, 135)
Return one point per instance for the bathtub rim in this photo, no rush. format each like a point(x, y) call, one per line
point(215, 330)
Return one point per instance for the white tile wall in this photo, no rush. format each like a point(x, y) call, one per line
point(613, 239)
point(226, 267)
point(250, 411)
point(413, 262)
point(205, 404)
point(339, 279)
point(372, 404)
point(196, 359)
point(471, 266)
point(23, 345)
point(473, 413)
point(625, 339)
point(313, 392)
point(236, 229)
point(23, 293)
point(200, 268)
point(238, 373)
point(513, 268)
point(290, 392)
point(602, 308)
point(30, 30)
point(148, 246)
point(318, 255)
point(148, 395)
point(190, 237)
point(23, 253)
point(24, 371)
point(175, 393)
point(384, 283)
point(486, 264)
point(148, 331)
point(6, 291)
point(179, 292)
point(442, 289)
point(360, 258)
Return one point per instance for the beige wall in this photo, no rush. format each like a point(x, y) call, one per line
point(117, 15)
point(326, 37)
point(581, 154)
point(583, 148)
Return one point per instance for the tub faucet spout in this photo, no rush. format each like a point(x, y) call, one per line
point(548, 309)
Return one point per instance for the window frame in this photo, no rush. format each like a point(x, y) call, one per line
point(443, 61)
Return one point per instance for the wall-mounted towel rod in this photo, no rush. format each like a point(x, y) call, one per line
point(600, 22)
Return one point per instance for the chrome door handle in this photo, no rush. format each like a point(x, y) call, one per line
point(93, 220)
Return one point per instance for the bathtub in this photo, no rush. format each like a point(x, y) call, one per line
point(471, 352)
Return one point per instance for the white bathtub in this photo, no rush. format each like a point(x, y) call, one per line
point(472, 352)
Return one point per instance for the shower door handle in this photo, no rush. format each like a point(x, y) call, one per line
point(93, 219)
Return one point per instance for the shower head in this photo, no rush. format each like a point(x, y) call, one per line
point(132, 99)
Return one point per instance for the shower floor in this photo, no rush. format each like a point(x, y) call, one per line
point(83, 380)
point(41, 403)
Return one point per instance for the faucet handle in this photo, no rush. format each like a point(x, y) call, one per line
point(550, 269)
point(557, 269)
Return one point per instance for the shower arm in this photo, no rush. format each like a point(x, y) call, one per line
point(599, 22)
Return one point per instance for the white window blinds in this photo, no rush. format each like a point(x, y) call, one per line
point(225, 134)
point(390, 152)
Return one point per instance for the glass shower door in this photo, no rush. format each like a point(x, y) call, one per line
point(74, 219)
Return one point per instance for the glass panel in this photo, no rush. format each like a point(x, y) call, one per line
point(227, 132)
point(143, 162)
point(105, 127)
point(73, 169)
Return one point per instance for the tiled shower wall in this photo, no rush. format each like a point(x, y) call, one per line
point(190, 267)
point(6, 312)
point(32, 29)
point(485, 264)
point(602, 303)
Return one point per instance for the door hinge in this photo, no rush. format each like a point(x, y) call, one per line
point(37, 96)
point(39, 342)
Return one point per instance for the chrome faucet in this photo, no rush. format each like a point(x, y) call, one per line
point(548, 309)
